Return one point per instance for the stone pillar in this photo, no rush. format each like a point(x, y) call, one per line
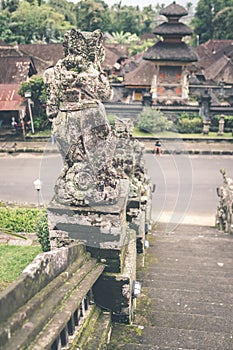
point(221, 125)
point(206, 127)
point(204, 103)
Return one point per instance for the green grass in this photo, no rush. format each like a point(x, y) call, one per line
point(13, 260)
point(167, 134)
point(41, 133)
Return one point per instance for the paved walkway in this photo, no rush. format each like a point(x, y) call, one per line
point(168, 146)
point(187, 293)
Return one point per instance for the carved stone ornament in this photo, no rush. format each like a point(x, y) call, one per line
point(76, 87)
point(224, 216)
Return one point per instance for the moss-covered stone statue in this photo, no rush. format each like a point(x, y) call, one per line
point(76, 88)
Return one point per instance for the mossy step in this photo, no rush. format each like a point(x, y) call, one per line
point(86, 329)
point(101, 333)
point(95, 331)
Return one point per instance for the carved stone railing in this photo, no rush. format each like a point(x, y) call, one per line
point(48, 305)
point(224, 218)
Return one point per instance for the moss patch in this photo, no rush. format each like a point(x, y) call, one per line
point(125, 334)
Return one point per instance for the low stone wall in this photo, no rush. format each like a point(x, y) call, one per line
point(50, 300)
point(44, 268)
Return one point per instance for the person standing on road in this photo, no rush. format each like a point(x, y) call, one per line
point(157, 148)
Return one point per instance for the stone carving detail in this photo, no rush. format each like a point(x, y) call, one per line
point(224, 211)
point(76, 87)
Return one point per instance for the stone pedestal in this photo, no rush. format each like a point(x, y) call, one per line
point(105, 232)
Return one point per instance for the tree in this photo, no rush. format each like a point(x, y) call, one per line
point(65, 8)
point(124, 38)
point(148, 19)
point(210, 18)
point(222, 22)
point(38, 95)
point(126, 19)
point(202, 22)
point(33, 23)
point(10, 5)
point(92, 15)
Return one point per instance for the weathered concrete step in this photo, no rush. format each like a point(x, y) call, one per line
point(50, 304)
point(215, 267)
point(176, 295)
point(181, 282)
point(185, 229)
point(192, 241)
point(162, 338)
point(185, 320)
point(173, 338)
point(185, 272)
point(220, 309)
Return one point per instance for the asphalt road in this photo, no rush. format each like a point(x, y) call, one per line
point(185, 185)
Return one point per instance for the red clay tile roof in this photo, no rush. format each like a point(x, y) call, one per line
point(9, 98)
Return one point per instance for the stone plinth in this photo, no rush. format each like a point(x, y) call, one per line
point(103, 229)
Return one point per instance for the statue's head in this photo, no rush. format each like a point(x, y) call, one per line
point(86, 46)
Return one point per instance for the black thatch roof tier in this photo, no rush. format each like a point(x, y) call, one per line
point(167, 28)
point(173, 10)
point(176, 52)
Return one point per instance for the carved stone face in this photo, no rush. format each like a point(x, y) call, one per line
point(83, 47)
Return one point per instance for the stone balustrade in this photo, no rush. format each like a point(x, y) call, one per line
point(51, 301)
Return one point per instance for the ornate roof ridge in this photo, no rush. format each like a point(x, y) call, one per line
point(173, 10)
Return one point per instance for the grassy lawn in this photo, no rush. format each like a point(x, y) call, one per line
point(13, 260)
point(167, 134)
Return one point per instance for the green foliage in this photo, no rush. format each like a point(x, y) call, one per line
point(152, 120)
point(213, 19)
point(30, 220)
point(43, 231)
point(36, 87)
point(32, 22)
point(92, 15)
point(126, 19)
point(124, 37)
point(140, 46)
point(189, 123)
point(111, 119)
point(13, 260)
point(19, 219)
point(228, 123)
